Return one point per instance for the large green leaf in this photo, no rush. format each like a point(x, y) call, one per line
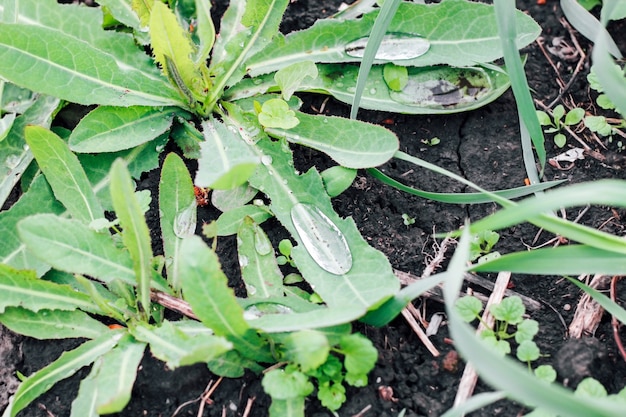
point(71, 246)
point(177, 204)
point(226, 161)
point(257, 261)
point(13, 150)
point(65, 366)
point(24, 289)
point(206, 289)
point(176, 348)
point(459, 33)
point(135, 234)
point(352, 143)
point(52, 324)
point(64, 174)
point(246, 28)
point(108, 387)
point(112, 129)
point(38, 199)
point(429, 90)
point(69, 45)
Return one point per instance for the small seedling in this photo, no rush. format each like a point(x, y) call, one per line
point(556, 122)
point(431, 142)
point(482, 244)
point(407, 220)
point(284, 247)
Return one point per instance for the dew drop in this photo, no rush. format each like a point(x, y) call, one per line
point(351, 89)
point(262, 309)
point(266, 160)
point(372, 91)
point(339, 85)
point(394, 47)
point(322, 239)
point(251, 289)
point(261, 243)
point(257, 81)
point(243, 261)
point(12, 161)
point(185, 221)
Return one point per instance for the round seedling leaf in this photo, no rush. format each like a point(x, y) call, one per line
point(468, 308)
point(526, 330)
point(546, 373)
point(528, 351)
point(275, 113)
point(510, 310)
point(283, 385)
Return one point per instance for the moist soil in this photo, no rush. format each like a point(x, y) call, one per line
point(482, 146)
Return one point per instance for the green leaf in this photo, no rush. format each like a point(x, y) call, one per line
point(206, 289)
point(332, 395)
point(352, 143)
point(65, 366)
point(108, 387)
point(307, 348)
point(232, 365)
point(527, 351)
point(13, 149)
point(598, 124)
point(73, 247)
point(226, 200)
point(545, 373)
point(560, 140)
point(395, 76)
point(173, 51)
point(574, 116)
point(282, 385)
point(171, 345)
point(290, 407)
point(229, 222)
point(360, 353)
point(52, 324)
point(469, 308)
point(135, 234)
point(177, 204)
point(38, 199)
point(24, 289)
point(369, 279)
point(455, 89)
point(444, 26)
point(275, 113)
point(257, 261)
point(590, 387)
point(526, 330)
point(112, 129)
point(338, 179)
point(544, 118)
point(205, 31)
point(111, 70)
point(226, 160)
point(122, 11)
point(289, 78)
point(246, 28)
point(64, 174)
point(558, 112)
point(510, 310)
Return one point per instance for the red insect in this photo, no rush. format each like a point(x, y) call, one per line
point(202, 196)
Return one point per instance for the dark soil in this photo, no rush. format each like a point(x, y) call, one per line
point(482, 146)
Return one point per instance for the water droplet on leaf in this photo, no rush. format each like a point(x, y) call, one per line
point(185, 221)
point(266, 160)
point(394, 47)
point(322, 239)
point(243, 261)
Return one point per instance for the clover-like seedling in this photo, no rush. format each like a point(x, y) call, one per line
point(275, 113)
point(285, 247)
point(509, 312)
